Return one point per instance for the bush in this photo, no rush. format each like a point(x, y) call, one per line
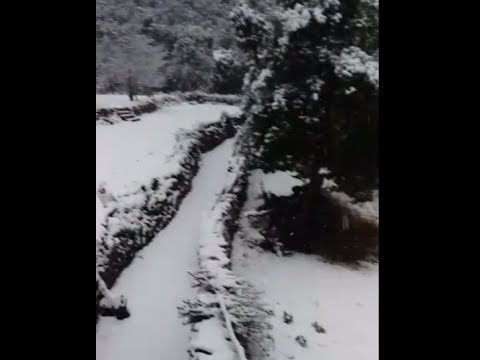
point(332, 231)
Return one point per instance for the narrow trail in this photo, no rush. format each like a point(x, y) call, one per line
point(157, 280)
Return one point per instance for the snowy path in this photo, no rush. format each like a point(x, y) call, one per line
point(157, 281)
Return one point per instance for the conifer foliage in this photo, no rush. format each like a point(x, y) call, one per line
point(312, 87)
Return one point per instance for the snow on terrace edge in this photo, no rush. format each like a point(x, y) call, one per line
point(129, 155)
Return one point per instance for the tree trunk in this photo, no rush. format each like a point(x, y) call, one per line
point(310, 197)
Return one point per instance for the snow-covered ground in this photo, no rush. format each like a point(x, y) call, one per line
point(342, 301)
point(130, 154)
point(157, 280)
point(118, 101)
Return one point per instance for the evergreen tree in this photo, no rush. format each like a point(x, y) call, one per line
point(122, 49)
point(312, 89)
point(190, 63)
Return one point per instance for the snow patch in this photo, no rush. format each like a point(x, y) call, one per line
point(223, 55)
point(318, 15)
point(279, 101)
point(353, 61)
point(367, 210)
point(279, 183)
point(205, 339)
point(296, 18)
point(100, 218)
point(350, 90)
point(329, 184)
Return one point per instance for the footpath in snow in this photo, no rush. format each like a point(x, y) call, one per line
point(157, 280)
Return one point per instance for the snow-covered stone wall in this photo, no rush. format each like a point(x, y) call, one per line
point(156, 102)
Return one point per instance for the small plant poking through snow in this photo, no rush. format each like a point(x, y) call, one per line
point(287, 318)
point(301, 341)
point(319, 328)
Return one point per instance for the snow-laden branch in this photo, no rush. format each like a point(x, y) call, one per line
point(231, 333)
point(103, 289)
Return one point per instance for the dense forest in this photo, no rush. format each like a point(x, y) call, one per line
point(169, 45)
